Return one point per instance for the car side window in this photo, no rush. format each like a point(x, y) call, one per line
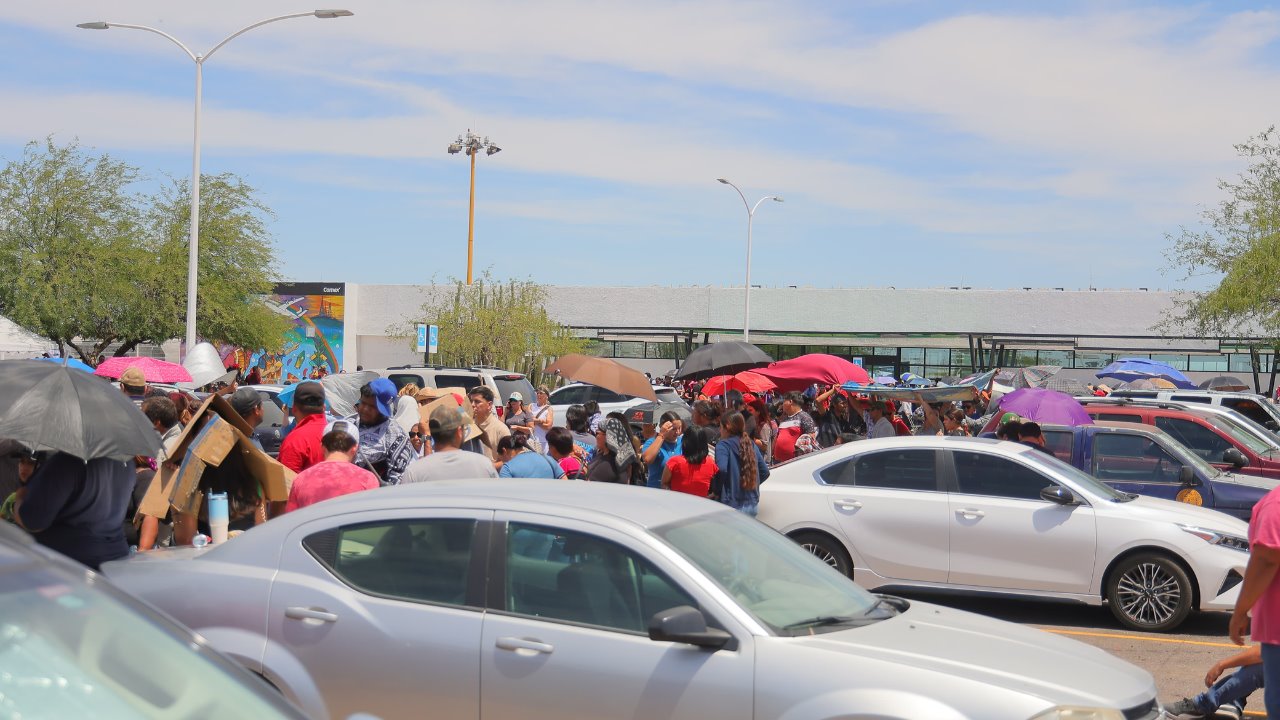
point(889, 469)
point(1248, 408)
point(1060, 443)
point(570, 395)
point(272, 415)
point(420, 560)
point(608, 396)
point(574, 577)
point(1121, 457)
point(1118, 417)
point(1192, 398)
point(997, 476)
point(1198, 439)
point(402, 379)
point(466, 382)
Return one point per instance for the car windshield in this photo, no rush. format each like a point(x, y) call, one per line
point(70, 651)
point(1186, 457)
point(1237, 430)
point(1051, 464)
point(778, 582)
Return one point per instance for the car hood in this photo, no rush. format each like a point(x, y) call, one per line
point(1161, 510)
point(1018, 658)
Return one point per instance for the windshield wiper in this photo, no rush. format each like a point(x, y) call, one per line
point(823, 620)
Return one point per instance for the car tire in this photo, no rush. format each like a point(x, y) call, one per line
point(827, 549)
point(1150, 592)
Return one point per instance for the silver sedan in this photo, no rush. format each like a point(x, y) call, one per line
point(546, 599)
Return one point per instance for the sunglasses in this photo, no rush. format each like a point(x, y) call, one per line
point(415, 434)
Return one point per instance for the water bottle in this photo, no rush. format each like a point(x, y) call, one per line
point(200, 540)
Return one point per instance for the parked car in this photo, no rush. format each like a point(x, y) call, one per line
point(1224, 441)
point(1143, 459)
point(501, 382)
point(550, 600)
point(978, 515)
point(73, 646)
point(610, 401)
point(1253, 406)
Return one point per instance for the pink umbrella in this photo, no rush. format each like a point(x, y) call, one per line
point(745, 381)
point(152, 369)
point(799, 373)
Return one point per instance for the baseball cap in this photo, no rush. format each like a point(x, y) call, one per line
point(245, 401)
point(446, 419)
point(516, 396)
point(384, 394)
point(309, 394)
point(348, 427)
point(1008, 417)
point(133, 377)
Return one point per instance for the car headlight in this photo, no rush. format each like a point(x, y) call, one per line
point(1077, 712)
point(1215, 537)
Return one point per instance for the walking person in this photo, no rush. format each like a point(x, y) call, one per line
point(740, 467)
point(1258, 604)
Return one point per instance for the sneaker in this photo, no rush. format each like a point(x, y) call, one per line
point(1227, 712)
point(1185, 709)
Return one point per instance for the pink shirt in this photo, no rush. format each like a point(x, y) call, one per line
point(1264, 529)
point(326, 480)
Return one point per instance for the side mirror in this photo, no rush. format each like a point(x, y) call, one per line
point(685, 624)
point(1187, 476)
point(1273, 426)
point(1235, 458)
point(1058, 494)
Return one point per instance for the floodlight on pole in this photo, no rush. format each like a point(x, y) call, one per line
point(751, 213)
point(193, 249)
point(472, 144)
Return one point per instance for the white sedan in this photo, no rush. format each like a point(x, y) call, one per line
point(547, 600)
point(989, 516)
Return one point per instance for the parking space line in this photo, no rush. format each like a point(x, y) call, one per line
point(1118, 636)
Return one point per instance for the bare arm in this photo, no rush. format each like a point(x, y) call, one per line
point(666, 478)
point(1258, 575)
point(1251, 656)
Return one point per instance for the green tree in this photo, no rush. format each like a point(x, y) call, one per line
point(90, 263)
point(496, 323)
point(1238, 242)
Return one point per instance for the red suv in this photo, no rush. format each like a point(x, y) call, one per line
point(1204, 433)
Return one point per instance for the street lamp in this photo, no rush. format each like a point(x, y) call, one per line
point(472, 144)
point(193, 250)
point(751, 213)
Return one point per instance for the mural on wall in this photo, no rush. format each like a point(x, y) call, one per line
point(312, 347)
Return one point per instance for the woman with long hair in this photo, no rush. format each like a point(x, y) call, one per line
point(740, 466)
point(692, 470)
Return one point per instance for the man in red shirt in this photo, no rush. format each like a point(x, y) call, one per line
point(336, 475)
point(1260, 594)
point(301, 447)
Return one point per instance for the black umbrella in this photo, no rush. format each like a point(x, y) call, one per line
point(645, 413)
point(50, 407)
point(722, 358)
point(1224, 382)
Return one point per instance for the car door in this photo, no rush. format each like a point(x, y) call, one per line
point(564, 397)
point(565, 635)
point(1136, 463)
point(1003, 535)
point(1199, 439)
point(893, 512)
point(611, 401)
point(381, 612)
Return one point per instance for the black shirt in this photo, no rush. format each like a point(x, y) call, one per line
point(78, 508)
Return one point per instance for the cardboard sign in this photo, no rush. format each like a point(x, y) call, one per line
point(445, 398)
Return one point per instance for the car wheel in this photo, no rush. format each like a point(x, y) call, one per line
point(827, 549)
point(1149, 592)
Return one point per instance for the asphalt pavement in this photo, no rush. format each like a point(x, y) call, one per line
point(1177, 660)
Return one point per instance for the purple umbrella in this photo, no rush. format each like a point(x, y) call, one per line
point(1045, 406)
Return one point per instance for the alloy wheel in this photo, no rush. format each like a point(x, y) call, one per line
point(1148, 593)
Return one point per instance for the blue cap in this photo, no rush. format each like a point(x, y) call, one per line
point(384, 393)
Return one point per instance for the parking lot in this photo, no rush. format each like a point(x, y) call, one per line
point(1178, 661)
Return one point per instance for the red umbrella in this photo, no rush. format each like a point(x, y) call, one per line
point(745, 381)
point(799, 373)
point(152, 369)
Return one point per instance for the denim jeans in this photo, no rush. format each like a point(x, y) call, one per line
point(1271, 678)
point(1233, 689)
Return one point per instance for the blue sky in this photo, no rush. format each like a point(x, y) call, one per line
point(990, 144)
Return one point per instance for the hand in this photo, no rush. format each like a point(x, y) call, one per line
point(1214, 673)
point(669, 431)
point(1239, 626)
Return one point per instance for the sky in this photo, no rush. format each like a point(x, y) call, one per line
point(915, 143)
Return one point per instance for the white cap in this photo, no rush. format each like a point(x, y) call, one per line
point(345, 425)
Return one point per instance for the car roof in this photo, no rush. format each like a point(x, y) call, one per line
point(1114, 426)
point(1197, 392)
point(583, 384)
point(609, 503)
point(934, 442)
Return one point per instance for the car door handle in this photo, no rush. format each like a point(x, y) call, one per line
point(518, 644)
point(304, 613)
point(848, 504)
point(970, 513)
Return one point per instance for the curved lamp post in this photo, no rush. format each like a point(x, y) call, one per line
point(472, 144)
point(193, 251)
point(751, 213)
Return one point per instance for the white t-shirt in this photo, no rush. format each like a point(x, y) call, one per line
point(449, 465)
point(881, 429)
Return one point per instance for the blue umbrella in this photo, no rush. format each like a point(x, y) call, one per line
point(885, 380)
point(1129, 369)
point(915, 380)
point(69, 362)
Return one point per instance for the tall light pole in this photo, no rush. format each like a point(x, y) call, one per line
point(193, 250)
point(751, 213)
point(472, 144)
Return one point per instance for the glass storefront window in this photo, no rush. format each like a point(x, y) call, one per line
point(1177, 362)
point(1093, 359)
point(599, 348)
point(937, 356)
point(628, 349)
point(912, 355)
point(1061, 358)
point(1240, 363)
point(660, 350)
point(1209, 363)
point(786, 352)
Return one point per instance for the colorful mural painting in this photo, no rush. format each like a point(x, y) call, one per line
point(313, 346)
